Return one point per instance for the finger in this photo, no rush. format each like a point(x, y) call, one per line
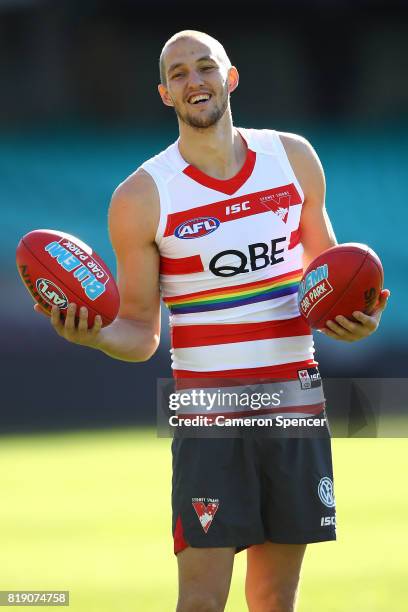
point(347, 324)
point(97, 324)
point(83, 320)
point(38, 308)
point(370, 323)
point(337, 329)
point(382, 301)
point(340, 333)
point(56, 319)
point(70, 317)
point(327, 332)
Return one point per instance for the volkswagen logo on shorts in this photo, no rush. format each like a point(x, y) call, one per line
point(196, 228)
point(51, 293)
point(326, 492)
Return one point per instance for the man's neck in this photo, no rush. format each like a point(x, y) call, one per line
point(218, 151)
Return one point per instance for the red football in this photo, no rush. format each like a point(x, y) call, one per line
point(58, 269)
point(339, 281)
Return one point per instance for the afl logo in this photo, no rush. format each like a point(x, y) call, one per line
point(197, 228)
point(52, 294)
point(326, 492)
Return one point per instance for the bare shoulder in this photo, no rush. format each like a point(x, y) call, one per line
point(305, 163)
point(135, 208)
point(298, 147)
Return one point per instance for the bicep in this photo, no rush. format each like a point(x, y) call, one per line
point(138, 283)
point(131, 230)
point(316, 230)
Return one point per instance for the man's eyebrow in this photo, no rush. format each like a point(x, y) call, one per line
point(174, 66)
point(204, 58)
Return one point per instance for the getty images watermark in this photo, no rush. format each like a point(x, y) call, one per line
point(341, 407)
point(208, 410)
point(202, 400)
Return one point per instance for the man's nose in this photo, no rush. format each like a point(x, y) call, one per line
point(196, 78)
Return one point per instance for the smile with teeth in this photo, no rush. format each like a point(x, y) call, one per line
point(199, 98)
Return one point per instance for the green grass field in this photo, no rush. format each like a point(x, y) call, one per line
point(90, 513)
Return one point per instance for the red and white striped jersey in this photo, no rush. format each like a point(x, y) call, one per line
point(231, 262)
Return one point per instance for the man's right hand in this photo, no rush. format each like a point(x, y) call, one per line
point(76, 332)
point(134, 335)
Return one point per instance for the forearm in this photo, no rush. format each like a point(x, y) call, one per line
point(309, 254)
point(128, 340)
point(317, 235)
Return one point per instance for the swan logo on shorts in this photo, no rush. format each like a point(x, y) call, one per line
point(197, 228)
point(205, 511)
point(326, 492)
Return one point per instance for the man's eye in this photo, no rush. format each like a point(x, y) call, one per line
point(177, 75)
point(207, 67)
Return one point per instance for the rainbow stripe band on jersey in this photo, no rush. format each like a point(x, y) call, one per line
point(238, 295)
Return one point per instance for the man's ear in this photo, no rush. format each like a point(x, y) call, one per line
point(164, 94)
point(233, 79)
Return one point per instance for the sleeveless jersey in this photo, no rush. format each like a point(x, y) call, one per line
point(230, 265)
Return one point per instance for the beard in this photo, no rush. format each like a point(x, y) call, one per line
point(210, 119)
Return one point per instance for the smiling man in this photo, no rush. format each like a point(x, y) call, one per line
point(222, 224)
point(171, 73)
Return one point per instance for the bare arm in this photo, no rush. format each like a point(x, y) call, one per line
point(316, 231)
point(133, 220)
point(317, 235)
point(135, 333)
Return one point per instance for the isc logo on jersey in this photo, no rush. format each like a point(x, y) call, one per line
point(197, 228)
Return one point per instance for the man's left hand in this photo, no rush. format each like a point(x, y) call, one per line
point(365, 325)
